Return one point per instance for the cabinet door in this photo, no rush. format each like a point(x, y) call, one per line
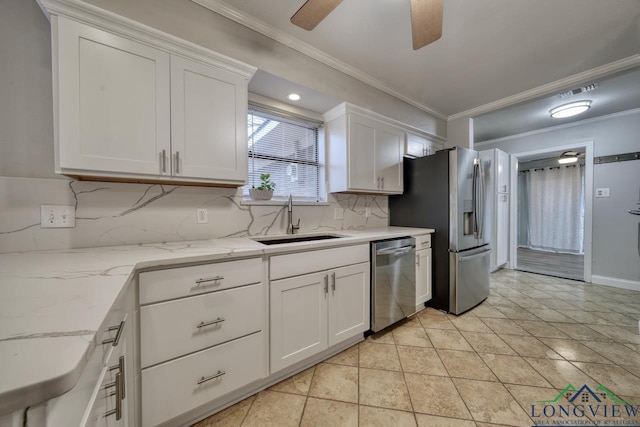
point(349, 303)
point(298, 318)
point(112, 102)
point(419, 147)
point(389, 151)
point(503, 171)
point(362, 156)
point(423, 276)
point(208, 122)
point(502, 231)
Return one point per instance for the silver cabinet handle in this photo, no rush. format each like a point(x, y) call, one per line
point(114, 341)
point(212, 377)
point(177, 160)
point(118, 411)
point(333, 283)
point(213, 322)
point(209, 279)
point(326, 284)
point(164, 161)
point(417, 260)
point(378, 184)
point(120, 368)
point(382, 181)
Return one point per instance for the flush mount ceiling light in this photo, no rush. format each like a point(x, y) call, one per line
point(569, 157)
point(570, 109)
point(293, 97)
point(565, 160)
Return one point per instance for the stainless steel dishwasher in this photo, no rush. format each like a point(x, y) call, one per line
point(393, 281)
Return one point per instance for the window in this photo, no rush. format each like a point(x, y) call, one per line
point(287, 149)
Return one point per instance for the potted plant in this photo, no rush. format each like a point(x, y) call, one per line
point(265, 191)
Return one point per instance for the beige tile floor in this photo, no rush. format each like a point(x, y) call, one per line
point(532, 337)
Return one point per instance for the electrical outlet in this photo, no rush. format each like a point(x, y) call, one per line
point(602, 192)
point(338, 213)
point(367, 212)
point(54, 216)
point(202, 216)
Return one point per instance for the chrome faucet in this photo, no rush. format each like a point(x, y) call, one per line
point(291, 229)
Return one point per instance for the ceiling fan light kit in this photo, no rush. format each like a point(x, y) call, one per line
point(426, 18)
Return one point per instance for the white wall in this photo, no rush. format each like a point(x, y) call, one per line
point(26, 105)
point(460, 133)
point(615, 232)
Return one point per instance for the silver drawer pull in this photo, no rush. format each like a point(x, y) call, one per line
point(116, 340)
point(425, 243)
point(212, 377)
point(213, 322)
point(210, 279)
point(118, 411)
point(120, 368)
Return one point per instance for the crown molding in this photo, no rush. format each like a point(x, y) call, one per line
point(560, 127)
point(346, 108)
point(288, 40)
point(549, 88)
point(103, 19)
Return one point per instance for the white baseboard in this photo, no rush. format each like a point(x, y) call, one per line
point(616, 283)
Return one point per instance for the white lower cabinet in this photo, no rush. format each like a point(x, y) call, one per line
point(423, 270)
point(104, 394)
point(180, 385)
point(312, 312)
point(502, 229)
point(195, 349)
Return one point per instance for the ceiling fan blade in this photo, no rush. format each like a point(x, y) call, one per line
point(312, 12)
point(426, 22)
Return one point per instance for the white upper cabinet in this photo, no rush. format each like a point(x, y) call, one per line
point(502, 170)
point(131, 110)
point(113, 102)
point(365, 152)
point(417, 146)
point(208, 116)
point(361, 155)
point(389, 150)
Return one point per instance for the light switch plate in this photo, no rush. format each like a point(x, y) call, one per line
point(602, 192)
point(202, 215)
point(338, 213)
point(57, 216)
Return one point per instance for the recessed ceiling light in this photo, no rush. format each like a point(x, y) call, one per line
point(294, 97)
point(571, 109)
point(563, 160)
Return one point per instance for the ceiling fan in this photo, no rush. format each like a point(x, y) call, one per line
point(426, 18)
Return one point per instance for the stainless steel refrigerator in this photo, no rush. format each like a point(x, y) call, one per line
point(445, 191)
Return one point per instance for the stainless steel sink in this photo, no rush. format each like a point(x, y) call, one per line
point(295, 239)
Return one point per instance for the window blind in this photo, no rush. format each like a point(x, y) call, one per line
point(287, 150)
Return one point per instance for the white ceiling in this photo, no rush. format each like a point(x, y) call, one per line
point(490, 49)
point(619, 92)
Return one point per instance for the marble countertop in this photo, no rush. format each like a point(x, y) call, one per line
point(53, 302)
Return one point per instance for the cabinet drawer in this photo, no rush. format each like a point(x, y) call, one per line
point(172, 388)
point(309, 262)
point(172, 329)
point(423, 242)
point(179, 282)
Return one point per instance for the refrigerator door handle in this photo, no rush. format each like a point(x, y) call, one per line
point(481, 206)
point(474, 196)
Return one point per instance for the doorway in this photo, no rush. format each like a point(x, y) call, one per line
point(551, 212)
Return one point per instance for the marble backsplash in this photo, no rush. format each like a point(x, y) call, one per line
point(121, 214)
